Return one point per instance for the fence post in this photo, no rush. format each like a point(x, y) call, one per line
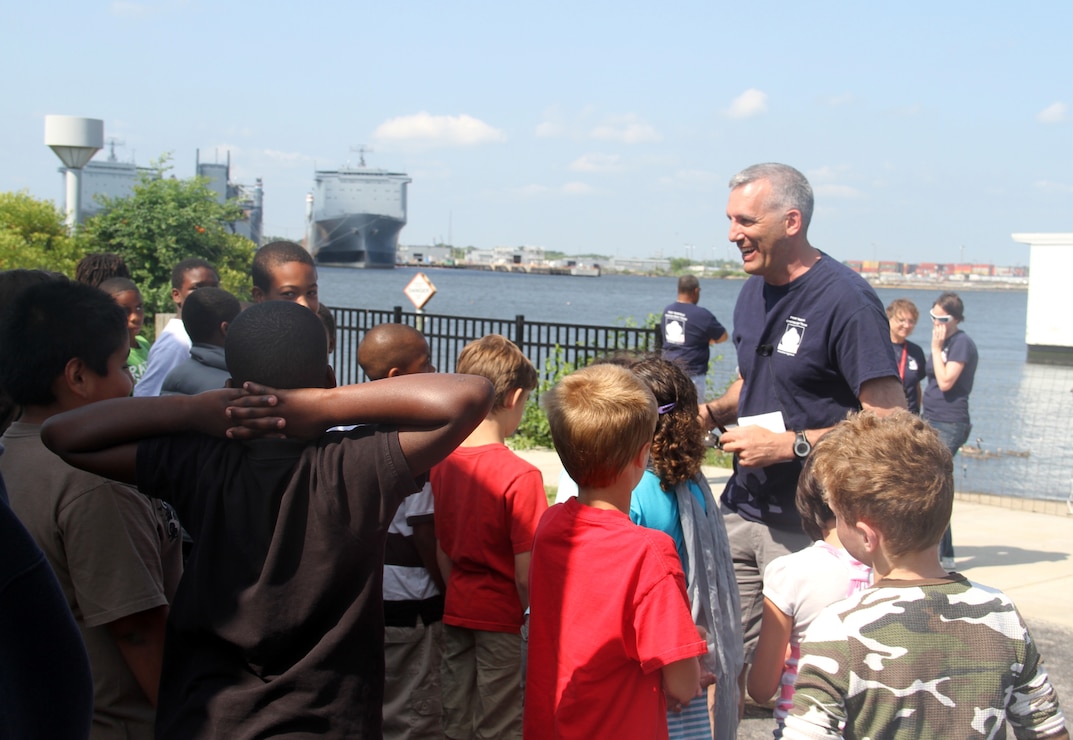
point(519, 330)
point(397, 318)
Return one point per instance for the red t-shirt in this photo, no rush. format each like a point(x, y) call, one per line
point(488, 502)
point(608, 611)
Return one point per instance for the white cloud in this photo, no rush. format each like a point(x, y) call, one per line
point(690, 179)
point(125, 9)
point(135, 9)
point(576, 188)
point(836, 101)
point(1053, 113)
point(1059, 187)
point(550, 129)
point(909, 111)
point(531, 191)
point(597, 163)
point(628, 128)
point(426, 129)
point(750, 103)
point(567, 189)
point(827, 172)
point(838, 191)
point(243, 131)
point(587, 123)
point(552, 125)
point(286, 157)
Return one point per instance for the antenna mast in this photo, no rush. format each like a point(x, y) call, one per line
point(113, 142)
point(361, 150)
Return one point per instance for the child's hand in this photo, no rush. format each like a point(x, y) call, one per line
point(254, 415)
point(208, 410)
point(271, 412)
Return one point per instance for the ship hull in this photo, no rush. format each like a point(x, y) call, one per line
point(358, 240)
point(356, 217)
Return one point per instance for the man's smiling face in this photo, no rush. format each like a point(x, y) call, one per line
point(757, 229)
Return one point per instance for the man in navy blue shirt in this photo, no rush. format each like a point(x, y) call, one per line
point(813, 343)
point(688, 330)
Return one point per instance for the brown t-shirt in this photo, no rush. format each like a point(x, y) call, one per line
point(278, 625)
point(115, 553)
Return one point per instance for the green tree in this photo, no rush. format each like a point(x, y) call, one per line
point(680, 265)
point(165, 221)
point(533, 430)
point(33, 235)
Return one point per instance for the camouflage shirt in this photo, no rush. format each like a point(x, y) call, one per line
point(932, 658)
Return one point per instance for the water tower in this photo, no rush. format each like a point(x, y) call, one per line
point(74, 140)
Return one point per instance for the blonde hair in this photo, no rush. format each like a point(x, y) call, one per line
point(892, 473)
point(904, 305)
point(497, 358)
point(600, 418)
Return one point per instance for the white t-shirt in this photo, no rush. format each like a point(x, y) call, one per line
point(803, 584)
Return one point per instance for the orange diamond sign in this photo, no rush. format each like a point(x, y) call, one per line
point(420, 290)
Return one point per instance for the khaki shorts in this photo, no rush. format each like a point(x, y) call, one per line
point(482, 691)
point(412, 704)
point(753, 546)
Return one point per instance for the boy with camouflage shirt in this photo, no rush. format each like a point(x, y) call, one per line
point(922, 653)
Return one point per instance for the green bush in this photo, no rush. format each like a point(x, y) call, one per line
point(533, 430)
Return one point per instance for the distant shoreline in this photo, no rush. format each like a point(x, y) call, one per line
point(1020, 284)
point(953, 285)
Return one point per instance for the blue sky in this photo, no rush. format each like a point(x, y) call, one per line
point(930, 131)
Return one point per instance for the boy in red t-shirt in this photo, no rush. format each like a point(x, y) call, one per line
point(488, 502)
point(611, 638)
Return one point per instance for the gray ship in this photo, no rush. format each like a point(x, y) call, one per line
point(354, 216)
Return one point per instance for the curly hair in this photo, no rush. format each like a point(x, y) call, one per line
point(677, 447)
point(94, 269)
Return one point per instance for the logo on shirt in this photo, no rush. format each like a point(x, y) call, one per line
point(171, 520)
point(792, 337)
point(674, 331)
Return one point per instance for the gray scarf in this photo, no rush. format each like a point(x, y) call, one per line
point(713, 598)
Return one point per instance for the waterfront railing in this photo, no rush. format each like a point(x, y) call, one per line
point(1033, 463)
point(548, 345)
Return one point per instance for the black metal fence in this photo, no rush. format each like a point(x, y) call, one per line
point(541, 341)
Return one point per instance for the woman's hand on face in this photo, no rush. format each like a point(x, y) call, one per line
point(938, 332)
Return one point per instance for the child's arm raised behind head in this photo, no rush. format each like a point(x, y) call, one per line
point(435, 412)
point(103, 437)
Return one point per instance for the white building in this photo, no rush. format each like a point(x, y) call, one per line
point(1047, 330)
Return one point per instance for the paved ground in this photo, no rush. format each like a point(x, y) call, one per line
point(1006, 543)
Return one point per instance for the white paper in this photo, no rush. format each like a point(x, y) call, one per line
point(772, 421)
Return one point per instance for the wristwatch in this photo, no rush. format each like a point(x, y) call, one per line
point(802, 447)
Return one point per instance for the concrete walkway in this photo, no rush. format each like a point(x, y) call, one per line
point(998, 541)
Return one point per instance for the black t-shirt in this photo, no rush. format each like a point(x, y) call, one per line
point(804, 350)
point(45, 684)
point(952, 405)
point(277, 626)
point(911, 363)
point(688, 329)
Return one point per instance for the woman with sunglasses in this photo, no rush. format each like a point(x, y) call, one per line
point(951, 368)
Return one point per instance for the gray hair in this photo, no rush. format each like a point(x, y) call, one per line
point(789, 188)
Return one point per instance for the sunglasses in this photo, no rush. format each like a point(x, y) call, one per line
point(940, 319)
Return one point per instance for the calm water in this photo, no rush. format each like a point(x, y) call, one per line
point(1021, 413)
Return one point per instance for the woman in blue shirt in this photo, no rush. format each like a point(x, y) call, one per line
point(951, 370)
